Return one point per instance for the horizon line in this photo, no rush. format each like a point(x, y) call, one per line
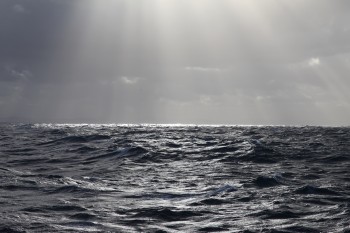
point(170, 124)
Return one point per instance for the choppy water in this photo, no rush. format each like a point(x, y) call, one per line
point(148, 178)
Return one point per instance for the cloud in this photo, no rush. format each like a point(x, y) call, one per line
point(18, 8)
point(207, 100)
point(21, 74)
point(130, 80)
point(315, 61)
point(203, 69)
point(13, 73)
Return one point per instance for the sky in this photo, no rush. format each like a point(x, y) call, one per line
point(251, 62)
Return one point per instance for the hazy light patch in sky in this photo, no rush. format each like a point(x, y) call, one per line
point(315, 61)
point(175, 61)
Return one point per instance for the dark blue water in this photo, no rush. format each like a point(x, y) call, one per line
point(149, 178)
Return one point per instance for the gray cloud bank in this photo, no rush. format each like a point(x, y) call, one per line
point(210, 62)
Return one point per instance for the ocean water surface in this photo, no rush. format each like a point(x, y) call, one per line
point(174, 178)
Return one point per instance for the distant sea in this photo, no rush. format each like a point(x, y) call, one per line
point(174, 178)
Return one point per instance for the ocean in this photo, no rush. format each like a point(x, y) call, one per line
point(174, 178)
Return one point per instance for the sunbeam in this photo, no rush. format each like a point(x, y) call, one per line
point(239, 62)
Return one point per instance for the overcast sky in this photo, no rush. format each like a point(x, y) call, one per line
point(175, 61)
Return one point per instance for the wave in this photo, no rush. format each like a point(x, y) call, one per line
point(76, 139)
point(279, 214)
point(266, 181)
point(120, 153)
point(167, 214)
point(309, 189)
